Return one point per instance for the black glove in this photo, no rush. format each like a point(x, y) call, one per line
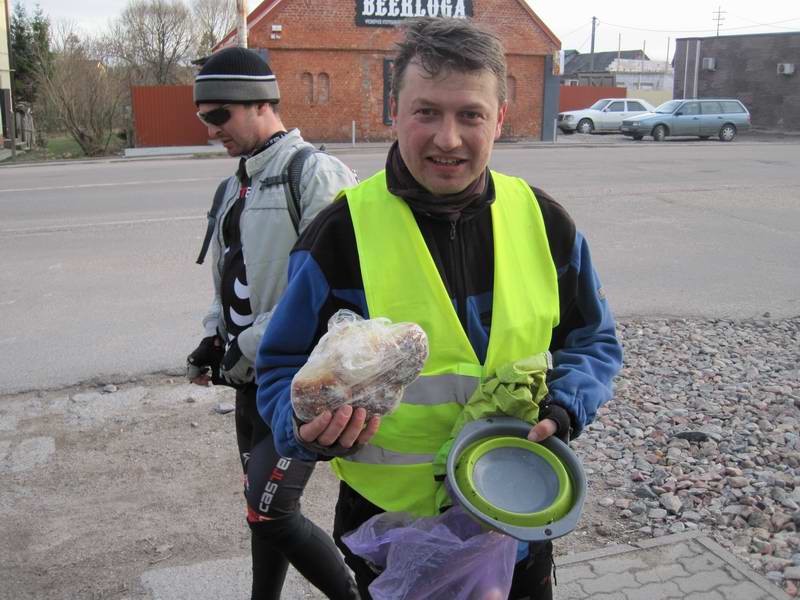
point(558, 414)
point(206, 357)
point(236, 369)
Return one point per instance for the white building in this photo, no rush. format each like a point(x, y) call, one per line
point(5, 70)
point(647, 75)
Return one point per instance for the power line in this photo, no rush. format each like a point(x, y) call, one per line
point(756, 23)
point(566, 35)
point(699, 30)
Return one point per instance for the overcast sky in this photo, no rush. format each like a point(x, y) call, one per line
point(652, 25)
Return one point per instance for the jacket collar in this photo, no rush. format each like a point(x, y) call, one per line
point(255, 164)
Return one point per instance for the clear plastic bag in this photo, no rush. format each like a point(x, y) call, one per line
point(447, 557)
point(366, 363)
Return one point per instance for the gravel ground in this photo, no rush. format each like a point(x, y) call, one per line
point(102, 482)
point(703, 434)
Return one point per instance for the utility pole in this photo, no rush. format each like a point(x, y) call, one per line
point(241, 30)
point(666, 66)
point(718, 18)
point(641, 63)
point(591, 55)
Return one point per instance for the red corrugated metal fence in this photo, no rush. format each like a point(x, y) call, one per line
point(575, 97)
point(164, 115)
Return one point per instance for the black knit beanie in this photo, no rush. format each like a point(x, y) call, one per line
point(235, 75)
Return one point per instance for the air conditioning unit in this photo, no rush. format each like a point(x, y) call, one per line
point(709, 64)
point(785, 68)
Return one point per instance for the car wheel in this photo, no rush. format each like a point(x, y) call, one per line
point(727, 132)
point(585, 126)
point(659, 133)
point(637, 137)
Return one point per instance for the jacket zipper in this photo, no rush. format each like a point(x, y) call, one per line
point(459, 283)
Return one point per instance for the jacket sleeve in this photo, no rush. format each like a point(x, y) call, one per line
point(323, 177)
point(285, 347)
point(211, 320)
point(587, 354)
point(214, 313)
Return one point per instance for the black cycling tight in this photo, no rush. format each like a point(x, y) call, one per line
point(280, 533)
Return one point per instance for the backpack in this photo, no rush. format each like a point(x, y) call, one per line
point(290, 178)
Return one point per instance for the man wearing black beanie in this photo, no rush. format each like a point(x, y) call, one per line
point(251, 234)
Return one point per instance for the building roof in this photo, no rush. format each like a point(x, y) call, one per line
point(741, 35)
point(254, 17)
point(267, 5)
point(581, 63)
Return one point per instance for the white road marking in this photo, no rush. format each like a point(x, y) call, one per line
point(54, 228)
point(99, 185)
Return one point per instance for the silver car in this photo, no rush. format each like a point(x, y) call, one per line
point(703, 118)
point(606, 114)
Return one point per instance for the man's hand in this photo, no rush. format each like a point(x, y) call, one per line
point(345, 426)
point(542, 430)
point(203, 363)
point(236, 368)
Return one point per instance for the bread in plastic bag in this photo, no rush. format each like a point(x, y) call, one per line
point(366, 363)
point(446, 556)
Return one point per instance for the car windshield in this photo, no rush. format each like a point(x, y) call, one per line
point(669, 106)
point(599, 105)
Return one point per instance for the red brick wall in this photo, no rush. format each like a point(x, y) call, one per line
point(321, 37)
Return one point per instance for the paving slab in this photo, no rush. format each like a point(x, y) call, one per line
point(217, 580)
point(685, 566)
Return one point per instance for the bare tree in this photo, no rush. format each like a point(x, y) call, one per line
point(81, 90)
point(213, 19)
point(154, 39)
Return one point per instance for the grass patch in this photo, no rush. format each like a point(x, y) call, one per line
point(61, 147)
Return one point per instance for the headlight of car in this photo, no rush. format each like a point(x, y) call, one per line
point(634, 123)
point(569, 117)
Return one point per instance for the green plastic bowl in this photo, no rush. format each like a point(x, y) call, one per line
point(514, 481)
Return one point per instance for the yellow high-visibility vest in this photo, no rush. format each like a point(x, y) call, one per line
point(402, 283)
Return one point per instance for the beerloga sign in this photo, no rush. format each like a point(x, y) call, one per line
point(385, 13)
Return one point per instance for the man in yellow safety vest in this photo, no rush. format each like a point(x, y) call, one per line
point(490, 267)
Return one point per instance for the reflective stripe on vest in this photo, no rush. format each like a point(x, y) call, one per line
point(402, 283)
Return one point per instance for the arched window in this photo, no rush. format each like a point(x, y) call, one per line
point(511, 89)
point(323, 88)
point(308, 87)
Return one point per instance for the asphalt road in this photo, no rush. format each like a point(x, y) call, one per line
point(98, 281)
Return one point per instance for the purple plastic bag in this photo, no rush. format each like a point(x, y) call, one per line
point(447, 557)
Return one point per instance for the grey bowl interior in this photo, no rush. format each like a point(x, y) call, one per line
point(515, 480)
point(483, 428)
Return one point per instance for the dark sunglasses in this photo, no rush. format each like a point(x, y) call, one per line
point(216, 117)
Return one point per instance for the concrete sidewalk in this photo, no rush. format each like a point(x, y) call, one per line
point(686, 566)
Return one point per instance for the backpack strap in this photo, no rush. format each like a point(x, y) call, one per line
point(294, 172)
point(219, 196)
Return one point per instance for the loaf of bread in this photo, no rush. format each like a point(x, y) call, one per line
point(366, 363)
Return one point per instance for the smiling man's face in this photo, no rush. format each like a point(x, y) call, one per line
point(446, 126)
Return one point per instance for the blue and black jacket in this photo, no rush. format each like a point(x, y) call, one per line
point(325, 276)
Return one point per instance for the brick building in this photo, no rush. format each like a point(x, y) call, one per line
point(762, 70)
point(332, 59)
